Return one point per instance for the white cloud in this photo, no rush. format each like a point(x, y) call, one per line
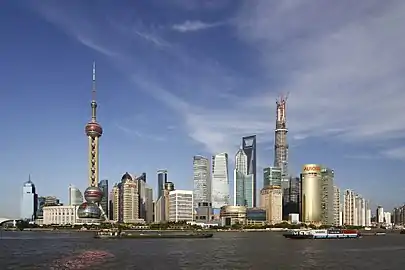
point(395, 153)
point(192, 26)
point(197, 4)
point(343, 67)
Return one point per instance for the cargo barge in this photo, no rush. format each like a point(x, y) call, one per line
point(322, 234)
point(150, 234)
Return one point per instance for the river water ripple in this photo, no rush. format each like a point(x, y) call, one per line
point(234, 251)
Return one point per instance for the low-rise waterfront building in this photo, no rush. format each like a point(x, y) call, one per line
point(255, 216)
point(231, 215)
point(60, 215)
point(204, 213)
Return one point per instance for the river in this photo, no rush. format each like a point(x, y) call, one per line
point(226, 250)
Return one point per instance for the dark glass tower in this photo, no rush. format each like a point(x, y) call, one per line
point(249, 147)
point(103, 185)
point(162, 180)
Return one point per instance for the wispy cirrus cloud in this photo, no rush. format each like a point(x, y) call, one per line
point(198, 4)
point(192, 26)
point(343, 68)
point(395, 153)
point(142, 135)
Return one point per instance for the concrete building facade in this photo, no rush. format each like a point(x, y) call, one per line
point(60, 215)
point(201, 180)
point(181, 205)
point(274, 204)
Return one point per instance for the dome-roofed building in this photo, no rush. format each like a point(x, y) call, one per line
point(127, 177)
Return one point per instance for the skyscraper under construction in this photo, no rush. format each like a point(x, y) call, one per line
point(280, 140)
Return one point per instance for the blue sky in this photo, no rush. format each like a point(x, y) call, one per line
point(185, 77)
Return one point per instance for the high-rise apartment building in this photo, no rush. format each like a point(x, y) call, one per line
point(349, 207)
point(249, 148)
point(219, 181)
point(243, 187)
point(360, 204)
point(380, 214)
point(201, 180)
point(181, 205)
point(272, 176)
point(355, 209)
point(162, 180)
point(327, 196)
point(368, 214)
point(103, 185)
point(125, 200)
point(337, 209)
point(311, 193)
point(29, 201)
point(129, 199)
point(75, 196)
point(398, 215)
point(387, 218)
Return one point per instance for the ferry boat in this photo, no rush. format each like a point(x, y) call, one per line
point(322, 234)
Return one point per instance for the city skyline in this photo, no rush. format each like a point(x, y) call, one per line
point(327, 123)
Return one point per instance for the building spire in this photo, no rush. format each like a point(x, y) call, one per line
point(93, 96)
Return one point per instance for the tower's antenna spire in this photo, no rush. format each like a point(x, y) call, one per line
point(93, 96)
point(93, 90)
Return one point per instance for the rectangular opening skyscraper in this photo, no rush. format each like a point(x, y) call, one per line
point(249, 147)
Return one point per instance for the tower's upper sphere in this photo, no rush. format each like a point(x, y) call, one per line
point(88, 211)
point(93, 195)
point(93, 129)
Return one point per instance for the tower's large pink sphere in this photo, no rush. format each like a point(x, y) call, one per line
point(93, 129)
point(93, 195)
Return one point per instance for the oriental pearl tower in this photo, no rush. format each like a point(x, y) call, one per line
point(90, 211)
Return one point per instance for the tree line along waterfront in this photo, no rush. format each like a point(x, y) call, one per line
point(182, 225)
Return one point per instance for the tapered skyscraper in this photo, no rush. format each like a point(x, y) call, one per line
point(249, 148)
point(219, 181)
point(280, 141)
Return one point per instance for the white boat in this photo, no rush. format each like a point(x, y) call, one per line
point(322, 234)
